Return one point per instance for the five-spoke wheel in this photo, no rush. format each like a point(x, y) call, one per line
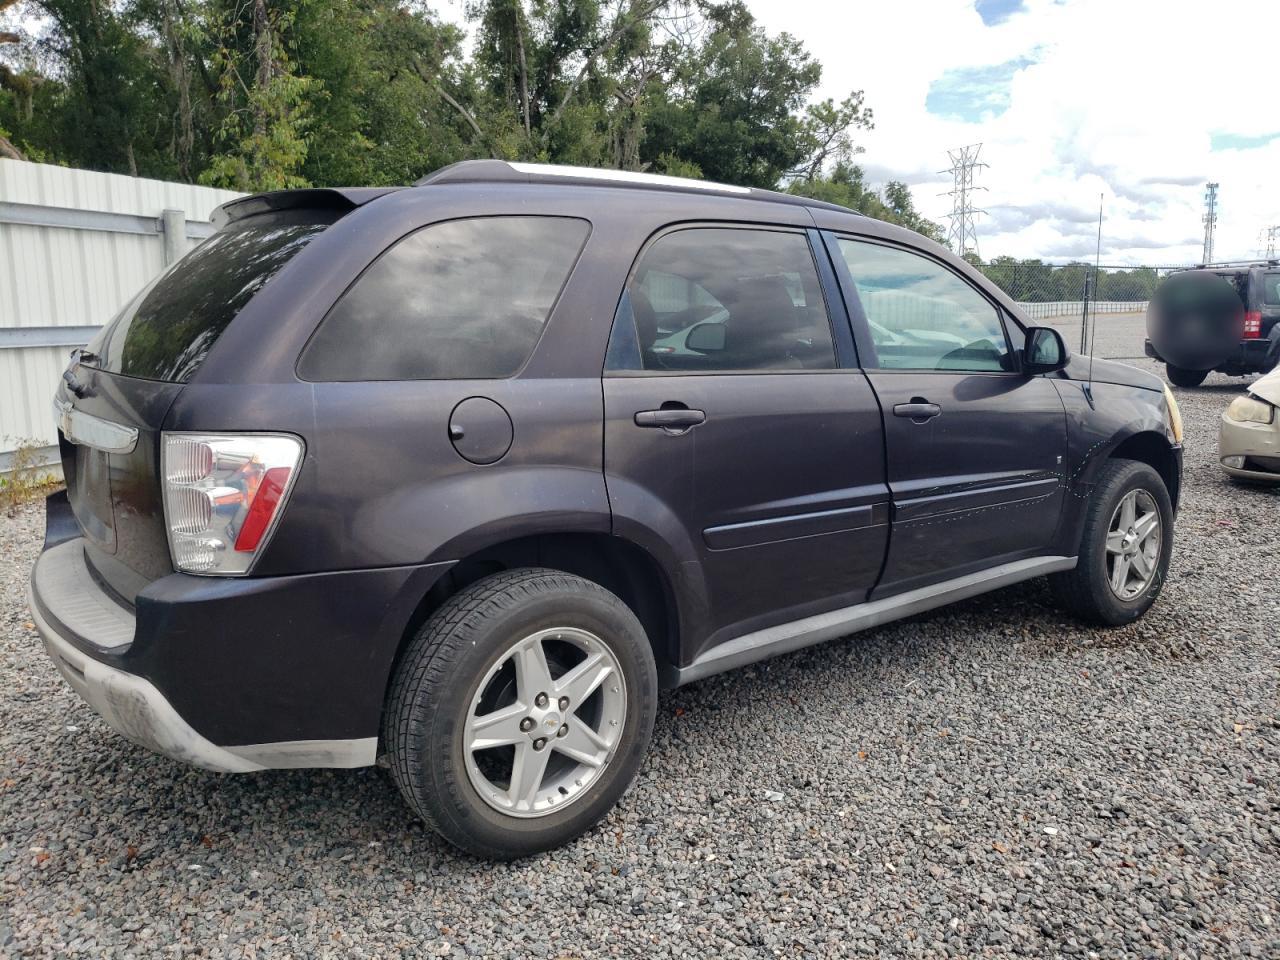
point(1124, 547)
point(520, 711)
point(1133, 544)
point(544, 721)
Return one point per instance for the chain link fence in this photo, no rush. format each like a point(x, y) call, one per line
point(1115, 299)
point(1047, 291)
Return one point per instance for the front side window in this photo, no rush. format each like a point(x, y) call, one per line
point(921, 315)
point(464, 299)
point(721, 299)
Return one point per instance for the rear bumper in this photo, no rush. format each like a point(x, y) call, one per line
point(233, 674)
point(1250, 356)
point(130, 705)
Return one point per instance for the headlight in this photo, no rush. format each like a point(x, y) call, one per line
point(1172, 416)
point(1248, 409)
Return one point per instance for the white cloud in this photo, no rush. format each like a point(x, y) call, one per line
point(1121, 99)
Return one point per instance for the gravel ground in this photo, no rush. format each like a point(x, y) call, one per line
point(988, 779)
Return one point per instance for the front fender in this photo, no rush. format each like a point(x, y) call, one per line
point(1116, 416)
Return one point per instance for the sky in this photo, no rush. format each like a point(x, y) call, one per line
point(1134, 103)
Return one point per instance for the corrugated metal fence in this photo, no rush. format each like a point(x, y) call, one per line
point(74, 247)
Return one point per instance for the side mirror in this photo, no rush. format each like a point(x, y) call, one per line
point(706, 337)
point(1044, 352)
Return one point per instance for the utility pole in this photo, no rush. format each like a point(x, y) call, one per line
point(1210, 220)
point(962, 233)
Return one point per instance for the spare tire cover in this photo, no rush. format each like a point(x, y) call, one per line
point(1195, 320)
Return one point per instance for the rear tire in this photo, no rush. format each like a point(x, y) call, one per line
point(1182, 377)
point(1094, 591)
point(486, 702)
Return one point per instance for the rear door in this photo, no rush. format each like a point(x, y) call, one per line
point(735, 434)
point(975, 448)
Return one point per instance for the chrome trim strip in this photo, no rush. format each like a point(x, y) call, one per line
point(786, 637)
point(89, 431)
point(793, 526)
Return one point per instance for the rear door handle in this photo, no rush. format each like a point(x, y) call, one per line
point(671, 419)
point(920, 411)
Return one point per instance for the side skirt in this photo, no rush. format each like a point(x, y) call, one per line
point(786, 637)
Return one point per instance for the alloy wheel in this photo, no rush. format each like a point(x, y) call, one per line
point(1133, 544)
point(544, 722)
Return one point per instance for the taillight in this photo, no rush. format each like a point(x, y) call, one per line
point(222, 496)
point(1253, 324)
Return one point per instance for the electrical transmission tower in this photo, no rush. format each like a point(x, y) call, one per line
point(1210, 220)
point(962, 234)
point(1272, 234)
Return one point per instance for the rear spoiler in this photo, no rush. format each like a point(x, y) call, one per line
point(340, 199)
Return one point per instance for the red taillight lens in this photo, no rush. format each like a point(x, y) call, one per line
point(262, 508)
point(1253, 324)
point(222, 493)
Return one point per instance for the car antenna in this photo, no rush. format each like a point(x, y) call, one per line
point(1093, 324)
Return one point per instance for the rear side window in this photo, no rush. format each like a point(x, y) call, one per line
point(168, 329)
point(1271, 289)
point(717, 299)
point(464, 299)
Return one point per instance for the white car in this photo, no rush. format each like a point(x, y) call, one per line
point(1249, 439)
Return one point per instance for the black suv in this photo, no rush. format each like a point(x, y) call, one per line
point(1194, 338)
point(469, 472)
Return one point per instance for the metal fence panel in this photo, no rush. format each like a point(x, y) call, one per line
point(75, 245)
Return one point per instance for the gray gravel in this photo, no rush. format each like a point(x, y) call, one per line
point(989, 779)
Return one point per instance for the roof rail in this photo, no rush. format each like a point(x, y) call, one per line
point(1259, 262)
point(511, 171)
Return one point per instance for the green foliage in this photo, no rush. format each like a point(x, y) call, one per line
point(265, 94)
point(27, 477)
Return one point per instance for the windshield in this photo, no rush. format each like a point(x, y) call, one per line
point(168, 329)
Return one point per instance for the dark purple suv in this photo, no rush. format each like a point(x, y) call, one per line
point(467, 473)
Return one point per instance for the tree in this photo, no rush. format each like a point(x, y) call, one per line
point(264, 94)
point(264, 100)
point(734, 105)
point(109, 101)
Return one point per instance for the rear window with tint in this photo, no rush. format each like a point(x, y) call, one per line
point(464, 299)
point(168, 329)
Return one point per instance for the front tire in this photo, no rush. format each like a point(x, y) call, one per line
point(1182, 377)
point(521, 711)
point(1124, 549)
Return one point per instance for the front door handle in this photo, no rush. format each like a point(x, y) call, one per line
point(675, 418)
point(919, 410)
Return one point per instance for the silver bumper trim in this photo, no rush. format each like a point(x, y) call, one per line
point(135, 709)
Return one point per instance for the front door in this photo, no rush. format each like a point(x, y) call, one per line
point(736, 445)
point(975, 448)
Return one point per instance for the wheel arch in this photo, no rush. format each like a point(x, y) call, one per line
point(1153, 449)
point(620, 566)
